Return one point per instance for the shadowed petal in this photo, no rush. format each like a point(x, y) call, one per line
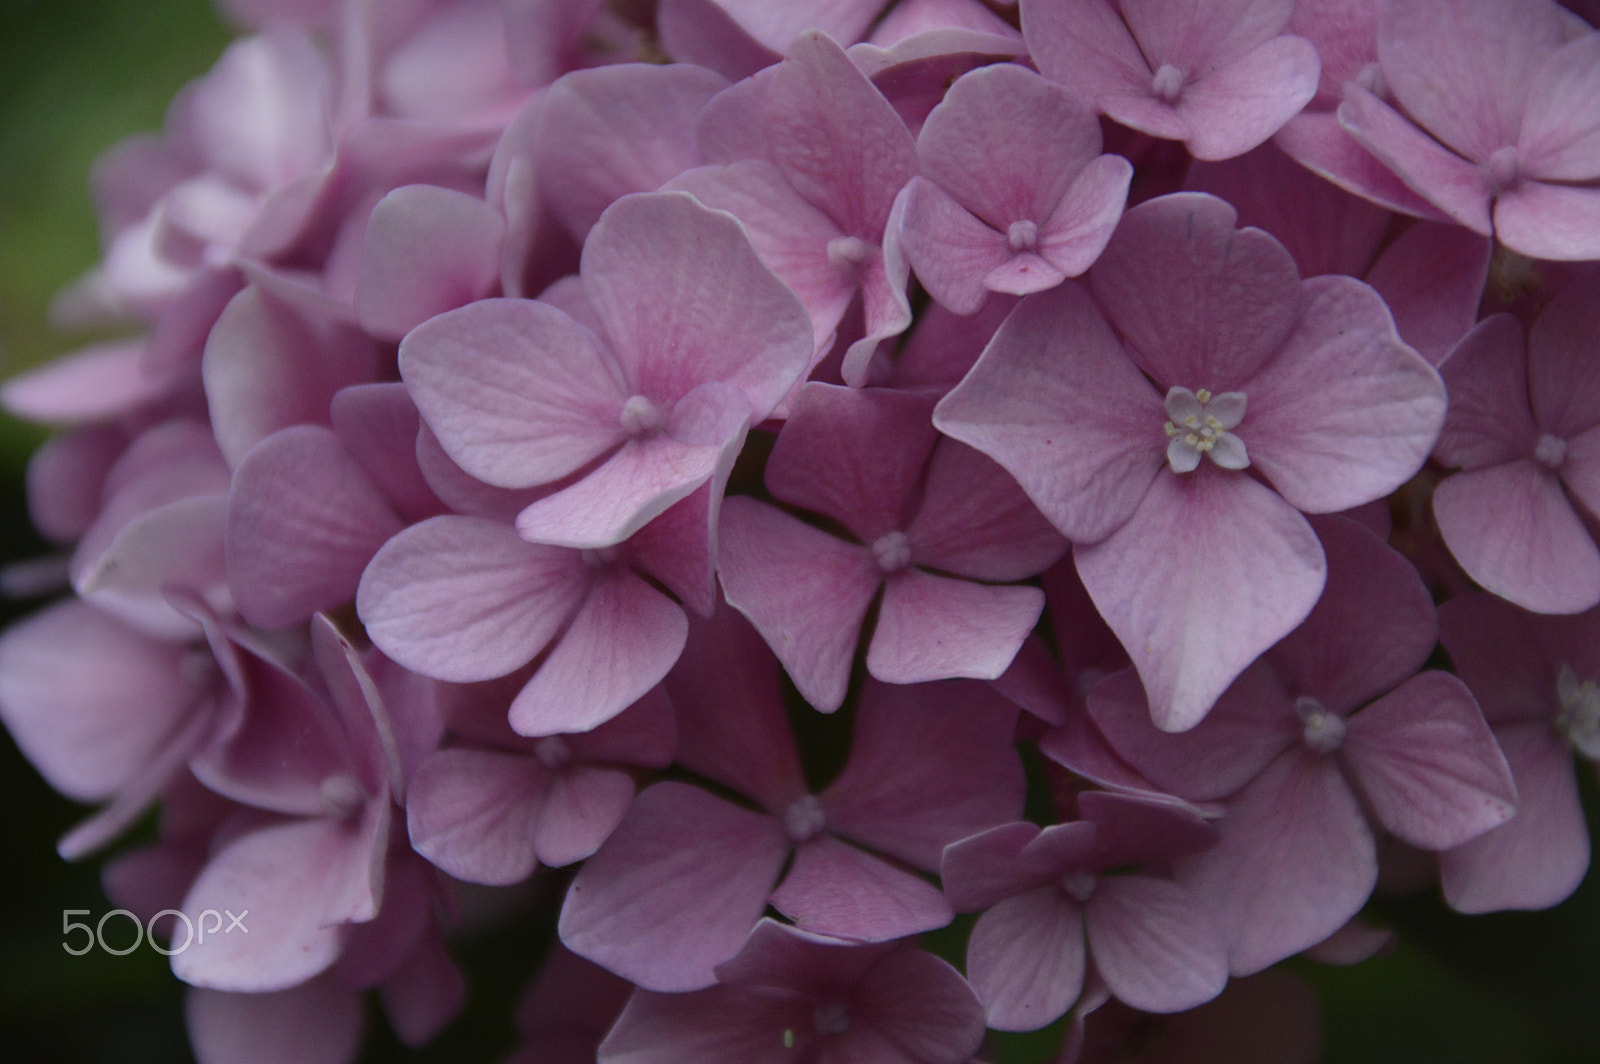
point(1026, 959)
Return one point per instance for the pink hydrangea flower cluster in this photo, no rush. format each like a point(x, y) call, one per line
point(544, 410)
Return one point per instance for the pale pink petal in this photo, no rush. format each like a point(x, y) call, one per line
point(1445, 180)
point(1200, 37)
point(1514, 531)
point(1295, 862)
point(1026, 959)
point(427, 250)
point(647, 476)
point(1155, 944)
point(1195, 611)
point(684, 299)
point(983, 870)
point(1230, 297)
point(935, 628)
point(317, 1022)
point(923, 1007)
point(1563, 384)
point(1316, 140)
point(584, 805)
point(836, 138)
point(832, 888)
point(675, 890)
point(616, 130)
point(1346, 412)
point(473, 814)
point(1428, 765)
point(975, 521)
point(701, 31)
point(303, 522)
point(1560, 135)
point(805, 591)
point(97, 382)
point(1242, 104)
point(954, 253)
point(1081, 435)
point(1549, 221)
point(463, 599)
point(517, 392)
point(299, 881)
point(1539, 857)
point(1080, 227)
point(619, 644)
point(1084, 45)
point(378, 425)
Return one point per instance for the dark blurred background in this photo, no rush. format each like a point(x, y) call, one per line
point(75, 76)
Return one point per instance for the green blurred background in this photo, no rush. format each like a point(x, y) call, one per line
point(75, 76)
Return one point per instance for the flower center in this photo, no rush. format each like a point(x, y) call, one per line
point(640, 415)
point(1079, 885)
point(1322, 731)
point(553, 753)
point(1551, 451)
point(341, 795)
point(1200, 426)
point(893, 552)
point(805, 818)
point(1023, 235)
point(832, 1017)
point(1167, 83)
point(1501, 171)
point(846, 251)
point(1579, 720)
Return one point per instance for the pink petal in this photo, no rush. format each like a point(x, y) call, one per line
point(1081, 435)
point(805, 591)
point(427, 250)
point(317, 1022)
point(1489, 421)
point(675, 890)
point(1547, 221)
point(1195, 613)
point(1242, 104)
point(1514, 531)
point(922, 1005)
point(856, 455)
point(1026, 959)
point(1085, 46)
point(583, 807)
point(836, 138)
point(929, 766)
point(1428, 765)
point(637, 484)
point(463, 598)
point(1345, 413)
point(684, 299)
point(1445, 180)
point(983, 870)
point(1539, 857)
point(719, 1025)
point(1432, 278)
point(299, 880)
point(1295, 862)
point(615, 130)
point(954, 252)
point(833, 888)
point(1230, 297)
point(1560, 137)
point(473, 814)
point(936, 628)
point(1155, 944)
point(378, 425)
point(1562, 382)
point(303, 522)
point(619, 644)
point(101, 381)
point(517, 392)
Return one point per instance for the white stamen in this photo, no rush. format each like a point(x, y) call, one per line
point(640, 415)
point(805, 818)
point(1322, 731)
point(832, 1017)
point(341, 795)
point(1023, 235)
point(1551, 451)
point(1200, 425)
point(1579, 720)
point(849, 251)
point(1502, 170)
point(553, 753)
point(1168, 83)
point(893, 552)
point(1370, 77)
